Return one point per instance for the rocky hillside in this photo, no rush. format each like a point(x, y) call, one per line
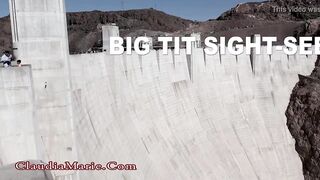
point(281, 18)
point(297, 10)
point(5, 34)
point(303, 120)
point(248, 27)
point(84, 28)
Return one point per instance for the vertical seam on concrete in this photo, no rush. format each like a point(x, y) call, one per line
point(39, 152)
point(14, 21)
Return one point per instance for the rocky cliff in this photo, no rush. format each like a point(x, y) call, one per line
point(303, 120)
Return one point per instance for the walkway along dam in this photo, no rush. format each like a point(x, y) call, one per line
point(182, 117)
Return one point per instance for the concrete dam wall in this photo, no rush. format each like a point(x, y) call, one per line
point(18, 129)
point(182, 117)
point(174, 116)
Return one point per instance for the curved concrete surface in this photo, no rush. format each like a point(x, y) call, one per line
point(203, 119)
point(175, 117)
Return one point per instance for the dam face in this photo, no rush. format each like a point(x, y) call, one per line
point(202, 119)
point(174, 116)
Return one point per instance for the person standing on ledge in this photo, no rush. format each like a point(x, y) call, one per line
point(19, 63)
point(6, 59)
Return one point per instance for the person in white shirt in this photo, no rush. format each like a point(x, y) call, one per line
point(6, 59)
